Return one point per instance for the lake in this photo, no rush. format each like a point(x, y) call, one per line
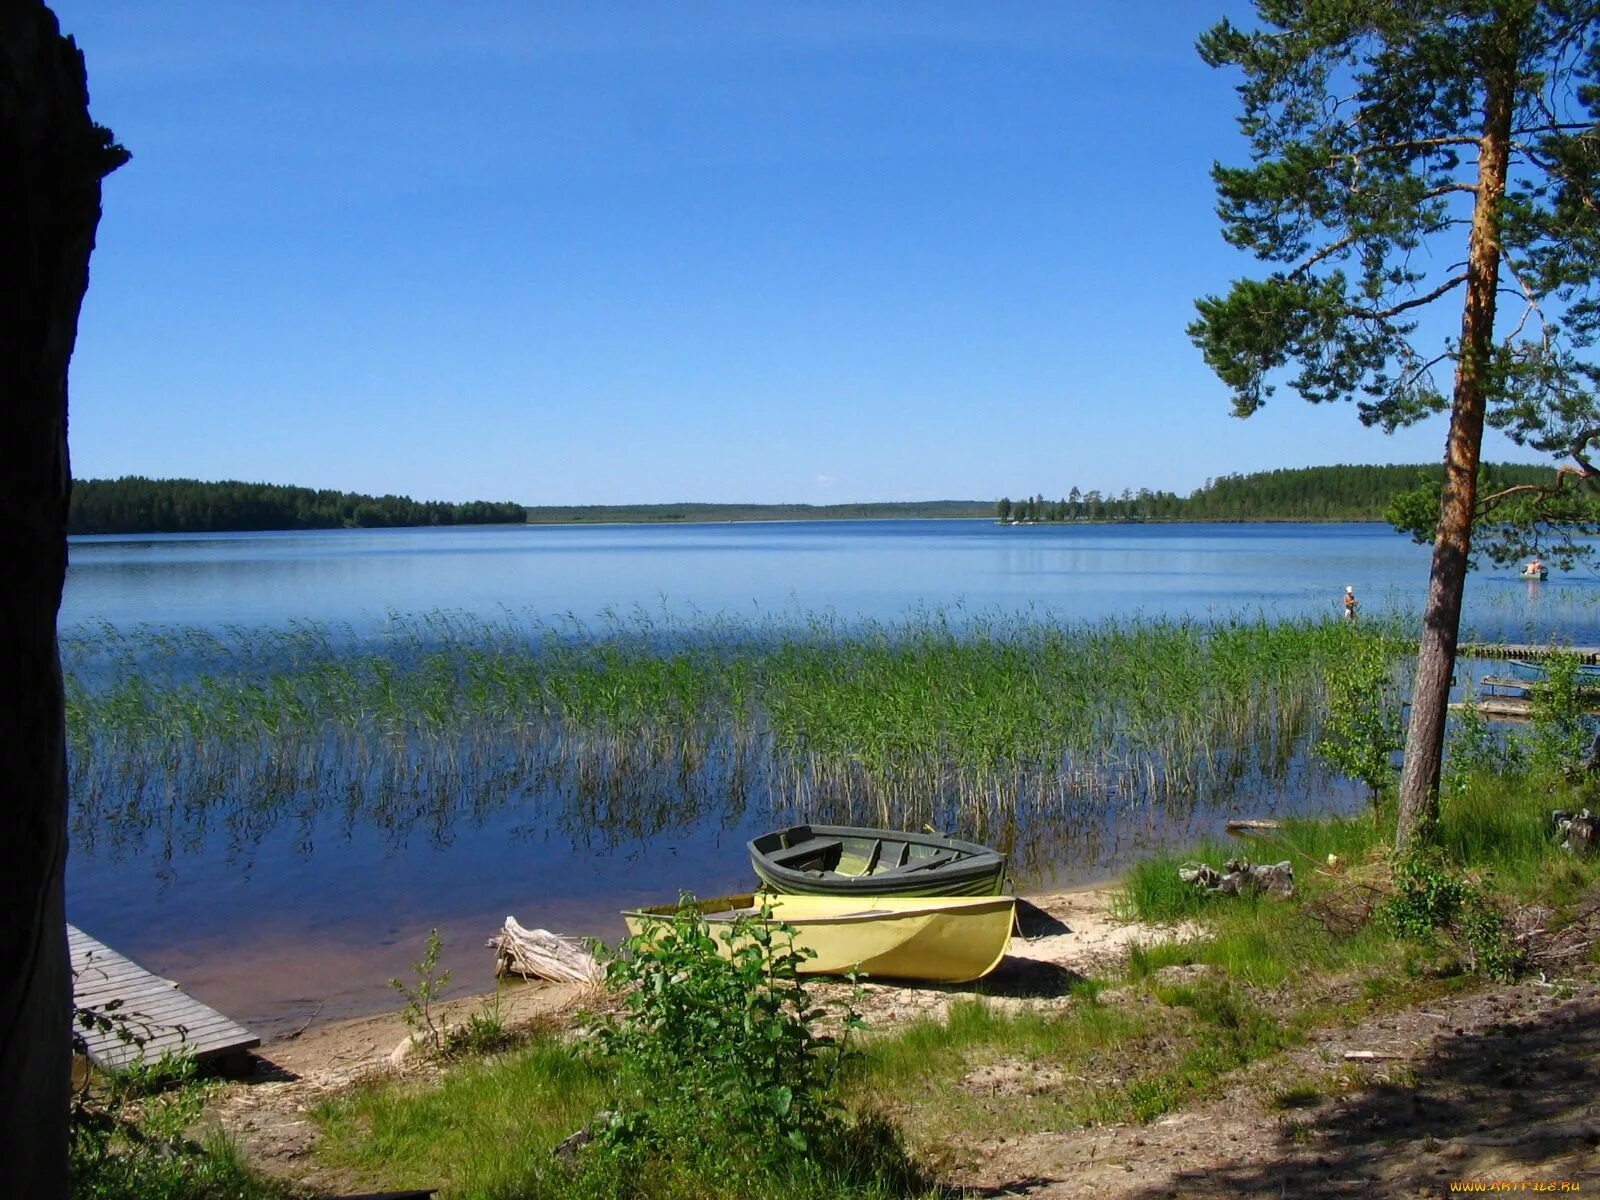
point(877, 569)
point(278, 912)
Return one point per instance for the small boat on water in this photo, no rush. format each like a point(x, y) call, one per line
point(849, 860)
point(1521, 668)
point(941, 939)
point(1536, 572)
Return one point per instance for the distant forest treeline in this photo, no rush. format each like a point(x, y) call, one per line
point(1341, 493)
point(641, 513)
point(135, 504)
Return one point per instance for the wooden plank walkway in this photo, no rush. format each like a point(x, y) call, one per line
point(1500, 708)
point(1587, 654)
point(152, 1008)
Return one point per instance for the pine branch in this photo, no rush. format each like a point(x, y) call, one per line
point(1373, 314)
point(1324, 254)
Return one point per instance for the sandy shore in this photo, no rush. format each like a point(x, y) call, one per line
point(1063, 935)
point(1428, 1100)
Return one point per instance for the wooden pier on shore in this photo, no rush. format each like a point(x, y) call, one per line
point(153, 1010)
point(1589, 655)
point(1510, 697)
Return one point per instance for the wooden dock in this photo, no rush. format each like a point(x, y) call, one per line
point(1499, 708)
point(151, 1008)
point(1585, 654)
point(1508, 698)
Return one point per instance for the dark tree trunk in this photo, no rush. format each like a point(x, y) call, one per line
point(52, 158)
point(1441, 619)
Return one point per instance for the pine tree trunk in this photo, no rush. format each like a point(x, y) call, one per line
point(52, 158)
point(1441, 619)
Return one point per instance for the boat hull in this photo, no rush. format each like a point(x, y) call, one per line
point(940, 939)
point(850, 860)
point(1587, 673)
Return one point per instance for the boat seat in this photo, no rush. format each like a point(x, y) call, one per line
point(817, 848)
point(940, 859)
point(858, 866)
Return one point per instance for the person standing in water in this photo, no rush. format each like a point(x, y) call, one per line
point(1350, 603)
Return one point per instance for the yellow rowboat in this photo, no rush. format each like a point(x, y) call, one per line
point(944, 939)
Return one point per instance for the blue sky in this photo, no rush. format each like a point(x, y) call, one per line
point(617, 253)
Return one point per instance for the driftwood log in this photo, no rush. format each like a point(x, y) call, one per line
point(540, 954)
point(1253, 826)
point(1239, 878)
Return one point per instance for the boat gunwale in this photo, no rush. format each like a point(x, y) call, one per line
point(977, 864)
point(926, 905)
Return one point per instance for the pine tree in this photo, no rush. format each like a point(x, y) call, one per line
point(1409, 154)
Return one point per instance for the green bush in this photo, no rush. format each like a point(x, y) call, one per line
point(1361, 731)
point(1431, 900)
point(723, 1076)
point(728, 1036)
point(421, 996)
point(1476, 749)
point(1559, 740)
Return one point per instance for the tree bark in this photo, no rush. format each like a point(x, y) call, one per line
point(1441, 619)
point(52, 158)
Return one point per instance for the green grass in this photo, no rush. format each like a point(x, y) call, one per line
point(486, 1130)
point(131, 1138)
point(982, 1072)
point(1502, 824)
point(1495, 828)
point(213, 1170)
point(1153, 893)
point(1128, 1047)
point(1000, 728)
point(1275, 970)
point(930, 1046)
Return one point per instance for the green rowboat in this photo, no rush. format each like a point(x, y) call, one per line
point(849, 860)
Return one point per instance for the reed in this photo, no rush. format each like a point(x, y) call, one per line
point(1011, 729)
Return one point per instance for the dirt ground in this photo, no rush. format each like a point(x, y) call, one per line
point(1501, 1085)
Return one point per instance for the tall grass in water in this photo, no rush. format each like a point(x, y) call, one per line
point(1010, 729)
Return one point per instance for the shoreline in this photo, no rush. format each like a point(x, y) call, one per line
point(1394, 1094)
point(1065, 934)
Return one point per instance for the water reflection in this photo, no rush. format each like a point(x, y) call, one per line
point(267, 778)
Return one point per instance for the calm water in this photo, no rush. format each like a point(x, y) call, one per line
point(879, 569)
point(310, 911)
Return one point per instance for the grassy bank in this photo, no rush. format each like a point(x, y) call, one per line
point(1245, 979)
point(695, 1081)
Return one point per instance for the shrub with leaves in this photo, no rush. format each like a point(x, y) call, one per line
point(1432, 899)
point(1476, 749)
point(1558, 742)
point(724, 1034)
point(1361, 731)
point(423, 994)
point(723, 1078)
